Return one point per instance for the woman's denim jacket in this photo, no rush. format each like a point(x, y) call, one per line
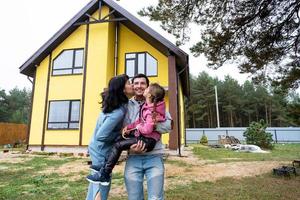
point(107, 129)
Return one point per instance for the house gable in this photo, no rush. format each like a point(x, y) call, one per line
point(132, 23)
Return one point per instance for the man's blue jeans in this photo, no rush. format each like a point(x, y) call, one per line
point(138, 166)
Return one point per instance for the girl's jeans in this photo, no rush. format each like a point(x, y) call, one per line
point(125, 144)
point(138, 166)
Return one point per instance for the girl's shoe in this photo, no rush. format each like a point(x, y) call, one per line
point(99, 178)
point(95, 168)
point(94, 178)
point(105, 179)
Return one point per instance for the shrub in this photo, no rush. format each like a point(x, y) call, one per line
point(204, 140)
point(256, 134)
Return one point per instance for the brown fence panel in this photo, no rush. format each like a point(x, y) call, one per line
point(12, 133)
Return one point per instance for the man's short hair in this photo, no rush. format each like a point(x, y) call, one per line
point(141, 76)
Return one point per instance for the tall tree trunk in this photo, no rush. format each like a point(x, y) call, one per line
point(249, 118)
point(266, 112)
point(211, 116)
point(194, 121)
point(270, 115)
point(208, 117)
point(231, 119)
point(256, 111)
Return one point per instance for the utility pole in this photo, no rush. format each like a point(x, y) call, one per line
point(217, 106)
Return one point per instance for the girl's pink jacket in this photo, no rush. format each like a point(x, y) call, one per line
point(145, 125)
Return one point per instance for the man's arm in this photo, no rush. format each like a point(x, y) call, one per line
point(166, 126)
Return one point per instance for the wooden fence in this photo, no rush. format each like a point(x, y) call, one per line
point(12, 133)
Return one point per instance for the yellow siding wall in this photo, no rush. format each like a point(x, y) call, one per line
point(38, 107)
point(165, 137)
point(68, 87)
point(111, 52)
point(181, 113)
point(131, 42)
point(96, 77)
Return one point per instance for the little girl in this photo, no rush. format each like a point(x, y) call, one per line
point(152, 111)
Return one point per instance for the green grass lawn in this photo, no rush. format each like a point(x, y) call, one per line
point(264, 187)
point(281, 152)
point(23, 181)
point(27, 179)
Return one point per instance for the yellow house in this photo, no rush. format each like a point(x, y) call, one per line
point(74, 66)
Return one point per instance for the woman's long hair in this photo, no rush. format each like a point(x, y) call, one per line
point(114, 96)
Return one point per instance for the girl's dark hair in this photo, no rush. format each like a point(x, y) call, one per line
point(114, 96)
point(157, 94)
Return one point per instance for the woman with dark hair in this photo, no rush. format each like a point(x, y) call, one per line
point(108, 127)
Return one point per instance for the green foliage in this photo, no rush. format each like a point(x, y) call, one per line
point(256, 134)
point(239, 105)
point(15, 106)
point(3, 107)
point(201, 104)
point(293, 109)
point(204, 140)
point(261, 36)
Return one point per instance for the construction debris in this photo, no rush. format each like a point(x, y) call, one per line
point(284, 171)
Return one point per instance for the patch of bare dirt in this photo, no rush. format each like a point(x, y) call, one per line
point(75, 168)
point(207, 170)
point(71, 168)
point(212, 172)
point(117, 191)
point(12, 157)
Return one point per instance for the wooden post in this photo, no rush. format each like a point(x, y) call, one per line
point(173, 102)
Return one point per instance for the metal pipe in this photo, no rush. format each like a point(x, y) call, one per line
point(100, 8)
point(217, 106)
point(116, 48)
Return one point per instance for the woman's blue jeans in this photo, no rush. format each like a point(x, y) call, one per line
point(93, 189)
point(138, 166)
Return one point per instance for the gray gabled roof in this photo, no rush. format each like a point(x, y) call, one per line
point(134, 24)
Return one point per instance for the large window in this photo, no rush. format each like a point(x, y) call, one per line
point(64, 114)
point(68, 62)
point(140, 63)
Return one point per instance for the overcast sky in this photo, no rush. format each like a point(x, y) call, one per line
point(27, 25)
